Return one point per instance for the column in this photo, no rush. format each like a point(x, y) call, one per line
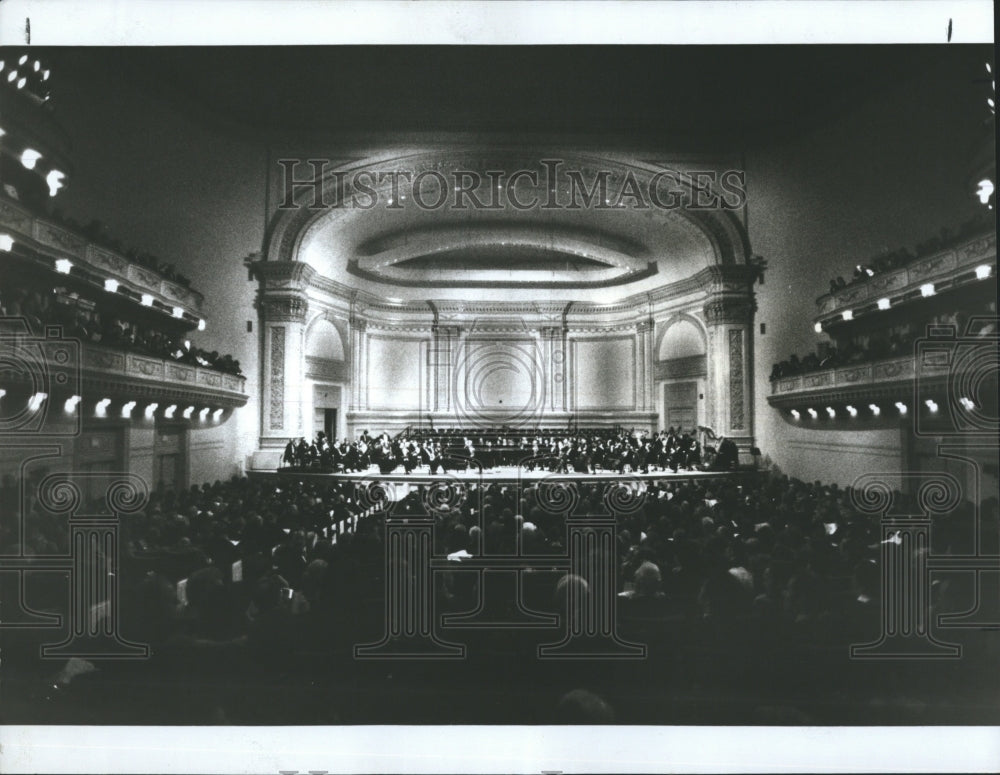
point(442, 357)
point(283, 306)
point(729, 321)
point(644, 365)
point(556, 357)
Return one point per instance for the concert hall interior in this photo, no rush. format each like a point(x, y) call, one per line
point(498, 385)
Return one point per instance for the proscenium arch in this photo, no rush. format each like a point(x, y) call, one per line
point(721, 227)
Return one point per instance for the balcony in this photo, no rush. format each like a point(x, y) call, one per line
point(946, 270)
point(948, 385)
point(49, 241)
point(118, 373)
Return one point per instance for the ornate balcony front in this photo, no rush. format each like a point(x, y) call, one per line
point(47, 238)
point(946, 269)
point(114, 372)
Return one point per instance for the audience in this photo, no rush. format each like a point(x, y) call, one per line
point(719, 577)
point(99, 323)
point(889, 261)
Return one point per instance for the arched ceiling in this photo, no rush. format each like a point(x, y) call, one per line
point(394, 243)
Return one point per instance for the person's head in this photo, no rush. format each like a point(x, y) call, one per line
point(647, 579)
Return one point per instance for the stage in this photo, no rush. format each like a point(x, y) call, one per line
point(502, 474)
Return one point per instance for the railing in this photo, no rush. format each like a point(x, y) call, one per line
point(134, 370)
point(943, 265)
point(53, 238)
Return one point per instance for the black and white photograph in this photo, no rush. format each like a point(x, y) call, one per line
point(449, 390)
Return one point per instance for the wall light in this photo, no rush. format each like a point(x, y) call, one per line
point(3, 392)
point(151, 410)
point(127, 409)
point(901, 407)
point(984, 190)
point(111, 285)
point(983, 271)
point(147, 300)
point(217, 414)
point(21, 82)
point(203, 413)
point(187, 412)
point(812, 413)
point(55, 180)
point(967, 403)
point(178, 312)
point(23, 59)
point(46, 74)
point(11, 76)
point(36, 401)
point(829, 411)
point(29, 158)
point(883, 303)
point(852, 411)
point(875, 409)
point(101, 409)
point(169, 412)
point(848, 315)
point(201, 324)
point(931, 404)
point(927, 289)
point(795, 414)
point(818, 328)
point(63, 265)
point(70, 405)
point(6, 243)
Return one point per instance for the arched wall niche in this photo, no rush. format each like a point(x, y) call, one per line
point(326, 338)
point(681, 336)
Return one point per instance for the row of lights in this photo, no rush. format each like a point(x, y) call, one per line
point(967, 403)
point(36, 400)
point(65, 266)
point(983, 271)
point(55, 179)
point(18, 74)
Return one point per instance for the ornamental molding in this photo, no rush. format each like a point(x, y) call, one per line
point(288, 309)
point(283, 275)
point(729, 309)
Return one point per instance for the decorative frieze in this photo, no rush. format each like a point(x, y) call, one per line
point(729, 309)
point(736, 400)
point(277, 377)
point(291, 309)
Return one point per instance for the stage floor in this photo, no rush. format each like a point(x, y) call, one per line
point(422, 475)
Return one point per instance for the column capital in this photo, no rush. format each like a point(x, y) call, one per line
point(445, 330)
point(721, 309)
point(283, 308)
point(730, 278)
point(552, 332)
point(644, 326)
point(282, 275)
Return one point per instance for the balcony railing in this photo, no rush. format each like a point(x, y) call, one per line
point(61, 242)
point(143, 376)
point(887, 378)
point(939, 268)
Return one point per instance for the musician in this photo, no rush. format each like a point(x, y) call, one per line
point(727, 456)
